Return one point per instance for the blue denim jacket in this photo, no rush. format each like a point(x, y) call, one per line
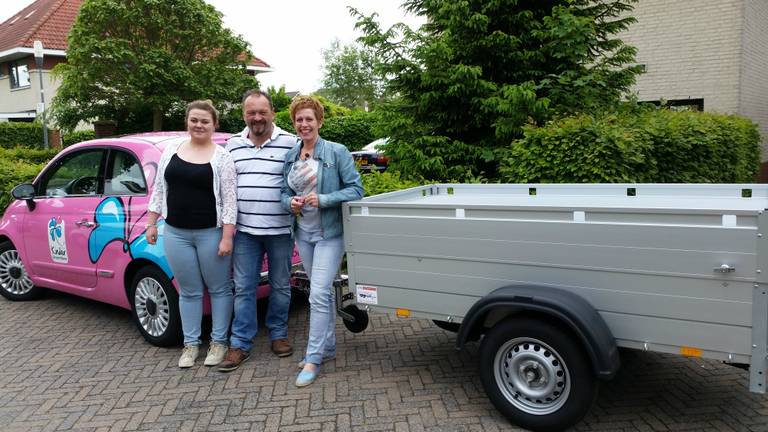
point(337, 181)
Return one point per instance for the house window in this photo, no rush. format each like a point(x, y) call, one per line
point(19, 73)
point(680, 104)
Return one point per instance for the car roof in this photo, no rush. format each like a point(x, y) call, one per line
point(376, 144)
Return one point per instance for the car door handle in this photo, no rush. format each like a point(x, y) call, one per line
point(86, 223)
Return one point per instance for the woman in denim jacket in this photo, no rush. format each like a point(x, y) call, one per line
point(318, 176)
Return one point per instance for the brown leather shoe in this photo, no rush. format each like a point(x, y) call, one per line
point(234, 358)
point(282, 348)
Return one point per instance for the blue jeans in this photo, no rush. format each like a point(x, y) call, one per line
point(321, 258)
point(194, 260)
point(248, 257)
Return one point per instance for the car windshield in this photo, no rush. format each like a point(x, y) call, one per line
point(376, 145)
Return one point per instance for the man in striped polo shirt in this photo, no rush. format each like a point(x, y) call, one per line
point(262, 227)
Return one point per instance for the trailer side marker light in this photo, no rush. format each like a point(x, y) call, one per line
point(690, 351)
point(403, 313)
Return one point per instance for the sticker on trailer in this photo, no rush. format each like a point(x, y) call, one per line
point(57, 240)
point(367, 294)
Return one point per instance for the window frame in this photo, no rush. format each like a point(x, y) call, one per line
point(13, 75)
point(50, 170)
point(109, 168)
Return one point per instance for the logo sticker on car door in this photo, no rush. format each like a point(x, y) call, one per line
point(57, 241)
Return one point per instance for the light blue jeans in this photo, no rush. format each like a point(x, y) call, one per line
point(321, 258)
point(194, 260)
point(248, 256)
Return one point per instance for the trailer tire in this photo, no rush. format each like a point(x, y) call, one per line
point(536, 374)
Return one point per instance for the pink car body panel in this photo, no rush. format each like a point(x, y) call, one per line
point(84, 245)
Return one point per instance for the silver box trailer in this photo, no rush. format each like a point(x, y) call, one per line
point(552, 278)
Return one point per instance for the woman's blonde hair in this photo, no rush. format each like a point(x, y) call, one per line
point(302, 102)
point(205, 105)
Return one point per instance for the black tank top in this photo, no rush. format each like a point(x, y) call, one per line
point(191, 202)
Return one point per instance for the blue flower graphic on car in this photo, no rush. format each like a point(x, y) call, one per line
point(54, 229)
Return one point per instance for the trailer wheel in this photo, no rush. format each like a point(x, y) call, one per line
point(536, 374)
point(361, 319)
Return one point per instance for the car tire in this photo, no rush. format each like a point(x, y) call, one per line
point(155, 307)
point(15, 283)
point(536, 374)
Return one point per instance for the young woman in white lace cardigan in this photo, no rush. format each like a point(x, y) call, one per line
point(195, 191)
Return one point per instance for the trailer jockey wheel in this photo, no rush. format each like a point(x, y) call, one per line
point(361, 319)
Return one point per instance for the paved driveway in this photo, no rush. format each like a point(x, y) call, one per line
point(71, 364)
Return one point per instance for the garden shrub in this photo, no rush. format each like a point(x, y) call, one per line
point(376, 182)
point(78, 137)
point(283, 121)
point(636, 146)
point(20, 165)
point(14, 134)
point(354, 131)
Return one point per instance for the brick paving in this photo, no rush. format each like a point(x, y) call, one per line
point(70, 364)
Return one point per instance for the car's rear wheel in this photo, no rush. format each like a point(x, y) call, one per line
point(155, 307)
point(15, 283)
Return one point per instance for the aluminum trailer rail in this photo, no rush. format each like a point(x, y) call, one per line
point(674, 268)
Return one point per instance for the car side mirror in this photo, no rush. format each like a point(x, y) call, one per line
point(25, 191)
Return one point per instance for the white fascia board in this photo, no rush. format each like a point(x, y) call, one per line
point(17, 52)
point(23, 114)
point(259, 69)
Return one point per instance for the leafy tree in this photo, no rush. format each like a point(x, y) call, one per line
point(135, 60)
point(280, 100)
point(349, 78)
point(478, 71)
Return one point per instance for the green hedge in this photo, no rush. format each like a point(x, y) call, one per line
point(642, 145)
point(78, 137)
point(20, 165)
point(354, 131)
point(376, 182)
point(14, 134)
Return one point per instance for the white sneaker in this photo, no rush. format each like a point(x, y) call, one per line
point(188, 356)
point(216, 354)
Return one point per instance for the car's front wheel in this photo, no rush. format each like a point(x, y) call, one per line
point(15, 283)
point(155, 307)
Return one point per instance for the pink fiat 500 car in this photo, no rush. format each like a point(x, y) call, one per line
point(79, 228)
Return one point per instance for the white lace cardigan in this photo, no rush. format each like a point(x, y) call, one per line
point(224, 185)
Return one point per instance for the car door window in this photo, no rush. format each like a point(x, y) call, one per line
point(76, 174)
point(124, 175)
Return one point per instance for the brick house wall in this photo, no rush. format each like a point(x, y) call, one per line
point(753, 100)
point(715, 50)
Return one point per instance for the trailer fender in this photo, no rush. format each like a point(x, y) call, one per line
point(567, 307)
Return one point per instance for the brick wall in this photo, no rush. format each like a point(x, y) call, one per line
point(691, 49)
point(753, 101)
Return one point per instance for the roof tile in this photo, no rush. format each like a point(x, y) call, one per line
point(46, 20)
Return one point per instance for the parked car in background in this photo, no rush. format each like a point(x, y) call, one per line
point(372, 157)
point(79, 228)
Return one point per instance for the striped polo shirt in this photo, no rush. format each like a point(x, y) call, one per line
point(259, 179)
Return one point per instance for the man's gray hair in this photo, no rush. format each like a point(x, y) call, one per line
point(261, 93)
